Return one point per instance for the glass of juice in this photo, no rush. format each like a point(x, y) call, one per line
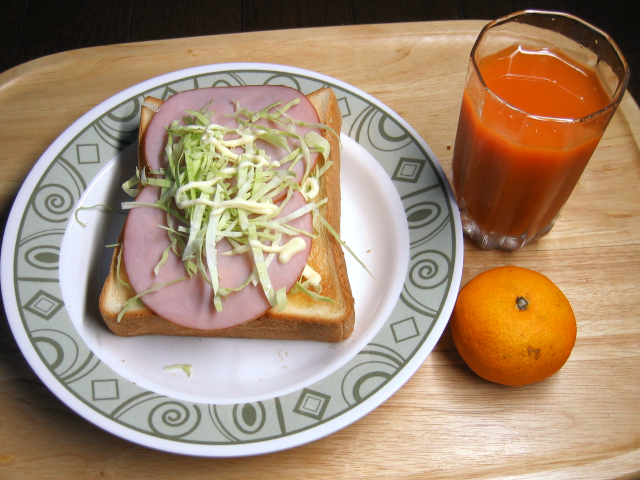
point(541, 88)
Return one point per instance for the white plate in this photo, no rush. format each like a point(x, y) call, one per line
point(245, 397)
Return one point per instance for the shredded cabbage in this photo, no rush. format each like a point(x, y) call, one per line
point(304, 288)
point(186, 368)
point(134, 300)
point(79, 209)
point(219, 183)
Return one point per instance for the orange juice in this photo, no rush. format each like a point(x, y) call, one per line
point(514, 169)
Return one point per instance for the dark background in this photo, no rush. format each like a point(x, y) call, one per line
point(31, 29)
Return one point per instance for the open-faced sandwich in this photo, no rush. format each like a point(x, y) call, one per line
point(234, 229)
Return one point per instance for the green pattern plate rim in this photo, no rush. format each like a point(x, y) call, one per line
point(51, 344)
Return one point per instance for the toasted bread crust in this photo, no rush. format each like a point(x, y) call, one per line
point(303, 318)
point(146, 114)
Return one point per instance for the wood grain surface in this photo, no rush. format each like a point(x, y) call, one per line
point(445, 423)
point(30, 29)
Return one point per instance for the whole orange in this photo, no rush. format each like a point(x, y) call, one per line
point(513, 326)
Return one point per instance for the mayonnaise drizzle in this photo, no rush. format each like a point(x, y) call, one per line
point(285, 252)
point(291, 248)
point(310, 188)
point(224, 147)
point(202, 185)
point(312, 276)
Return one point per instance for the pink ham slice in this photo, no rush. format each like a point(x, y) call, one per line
point(252, 97)
point(189, 303)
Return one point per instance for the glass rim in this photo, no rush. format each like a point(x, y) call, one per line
point(615, 99)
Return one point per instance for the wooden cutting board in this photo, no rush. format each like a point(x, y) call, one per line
point(445, 423)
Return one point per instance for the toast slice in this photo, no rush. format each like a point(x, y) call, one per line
point(303, 318)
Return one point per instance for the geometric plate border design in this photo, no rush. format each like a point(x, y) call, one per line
point(32, 291)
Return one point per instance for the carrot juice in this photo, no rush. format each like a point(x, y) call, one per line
point(524, 137)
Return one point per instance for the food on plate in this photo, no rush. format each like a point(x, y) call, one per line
point(185, 367)
point(513, 326)
point(234, 231)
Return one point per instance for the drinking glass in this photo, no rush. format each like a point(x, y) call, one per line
point(515, 163)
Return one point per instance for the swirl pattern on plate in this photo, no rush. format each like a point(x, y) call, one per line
point(433, 248)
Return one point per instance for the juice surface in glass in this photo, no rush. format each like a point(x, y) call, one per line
point(513, 171)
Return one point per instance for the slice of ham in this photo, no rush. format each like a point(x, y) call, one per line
point(189, 303)
point(221, 101)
